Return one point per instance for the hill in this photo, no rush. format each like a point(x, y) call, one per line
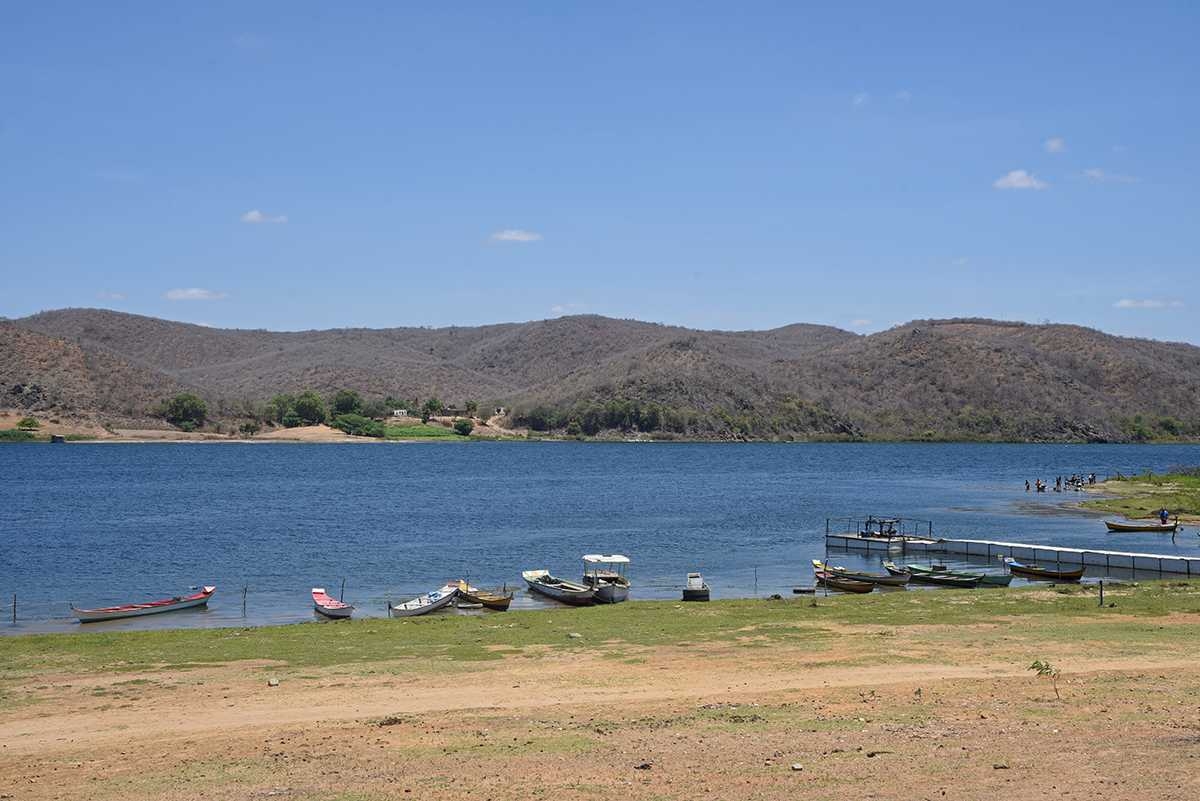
point(951, 379)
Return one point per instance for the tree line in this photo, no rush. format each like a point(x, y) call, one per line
point(346, 410)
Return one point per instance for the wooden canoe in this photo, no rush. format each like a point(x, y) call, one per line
point(329, 606)
point(1166, 528)
point(490, 600)
point(1042, 572)
point(149, 608)
point(424, 604)
point(885, 580)
point(935, 578)
point(985, 579)
point(841, 583)
point(540, 581)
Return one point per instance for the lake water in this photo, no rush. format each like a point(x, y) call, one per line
point(98, 524)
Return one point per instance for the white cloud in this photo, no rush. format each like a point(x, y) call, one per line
point(903, 95)
point(515, 235)
point(860, 99)
point(861, 322)
point(254, 217)
point(1019, 179)
point(111, 296)
point(1055, 144)
point(194, 294)
point(1099, 176)
point(1126, 303)
point(567, 308)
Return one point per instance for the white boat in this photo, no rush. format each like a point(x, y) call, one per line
point(559, 589)
point(329, 606)
point(695, 589)
point(148, 608)
point(607, 576)
point(424, 604)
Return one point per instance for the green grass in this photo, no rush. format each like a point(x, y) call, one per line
point(15, 435)
point(1142, 496)
point(420, 432)
point(440, 642)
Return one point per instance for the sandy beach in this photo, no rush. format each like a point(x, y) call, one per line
point(809, 703)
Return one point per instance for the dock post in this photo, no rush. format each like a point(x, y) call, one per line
point(1102, 592)
point(245, 589)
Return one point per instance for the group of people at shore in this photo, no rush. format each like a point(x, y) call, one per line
point(1075, 482)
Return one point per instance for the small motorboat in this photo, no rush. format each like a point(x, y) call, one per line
point(606, 575)
point(148, 608)
point(695, 589)
point(935, 578)
point(490, 600)
point(985, 579)
point(884, 580)
point(1027, 570)
point(540, 581)
point(1153, 527)
point(424, 604)
point(329, 606)
point(842, 583)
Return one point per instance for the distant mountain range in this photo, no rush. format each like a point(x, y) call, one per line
point(928, 379)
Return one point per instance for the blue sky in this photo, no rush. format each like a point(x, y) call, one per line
point(308, 165)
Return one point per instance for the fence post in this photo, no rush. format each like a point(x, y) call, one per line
point(1102, 592)
point(245, 589)
point(14, 609)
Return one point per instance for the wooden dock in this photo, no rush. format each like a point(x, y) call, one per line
point(991, 549)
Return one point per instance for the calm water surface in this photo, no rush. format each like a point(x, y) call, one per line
point(107, 523)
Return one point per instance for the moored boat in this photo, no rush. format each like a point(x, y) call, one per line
point(933, 577)
point(540, 581)
point(985, 579)
point(695, 589)
point(607, 576)
point(329, 606)
point(885, 580)
point(1028, 570)
point(148, 608)
point(1153, 527)
point(842, 583)
point(424, 604)
point(485, 598)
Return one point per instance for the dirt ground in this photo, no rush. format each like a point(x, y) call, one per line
point(873, 712)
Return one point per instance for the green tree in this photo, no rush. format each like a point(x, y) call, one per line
point(185, 410)
point(375, 408)
point(250, 428)
point(358, 426)
point(472, 408)
point(432, 407)
point(279, 406)
point(347, 401)
point(291, 419)
point(574, 429)
point(310, 408)
point(28, 424)
point(463, 426)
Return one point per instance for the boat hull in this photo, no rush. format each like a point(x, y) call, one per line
point(488, 600)
point(609, 593)
point(567, 593)
point(935, 579)
point(889, 580)
point(696, 594)
point(424, 604)
point(141, 610)
point(1154, 528)
point(1044, 573)
point(843, 584)
point(334, 613)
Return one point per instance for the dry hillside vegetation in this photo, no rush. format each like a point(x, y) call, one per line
point(956, 379)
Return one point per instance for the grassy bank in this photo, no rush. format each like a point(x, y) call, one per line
point(435, 641)
point(1142, 496)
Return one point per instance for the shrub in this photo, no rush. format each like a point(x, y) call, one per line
point(250, 428)
point(14, 435)
point(463, 426)
point(310, 408)
point(358, 426)
point(347, 401)
point(291, 419)
point(574, 429)
point(185, 411)
point(28, 424)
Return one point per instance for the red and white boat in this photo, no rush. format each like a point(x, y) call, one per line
point(148, 608)
point(330, 606)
